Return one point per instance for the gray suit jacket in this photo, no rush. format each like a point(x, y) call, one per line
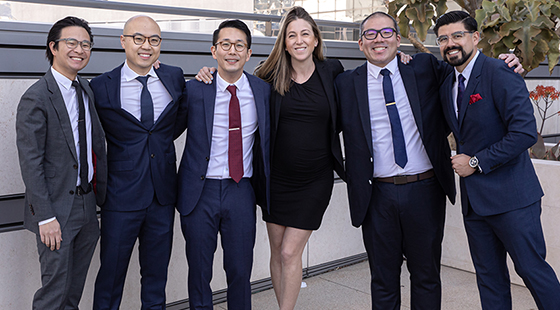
point(47, 153)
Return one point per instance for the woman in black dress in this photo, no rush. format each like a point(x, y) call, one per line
point(305, 146)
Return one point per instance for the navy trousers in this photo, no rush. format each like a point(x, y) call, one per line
point(228, 208)
point(153, 227)
point(518, 233)
point(405, 220)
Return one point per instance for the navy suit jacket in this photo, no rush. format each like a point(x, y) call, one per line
point(141, 161)
point(197, 114)
point(328, 70)
point(422, 78)
point(497, 129)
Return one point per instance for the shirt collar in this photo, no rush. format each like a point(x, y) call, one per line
point(374, 70)
point(222, 85)
point(468, 69)
point(130, 75)
point(61, 79)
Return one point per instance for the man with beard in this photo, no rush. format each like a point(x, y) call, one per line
point(397, 163)
point(488, 108)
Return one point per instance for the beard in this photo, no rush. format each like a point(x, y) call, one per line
point(455, 60)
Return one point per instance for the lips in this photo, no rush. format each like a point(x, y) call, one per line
point(379, 48)
point(453, 51)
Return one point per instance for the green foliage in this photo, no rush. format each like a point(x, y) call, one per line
point(420, 14)
point(524, 26)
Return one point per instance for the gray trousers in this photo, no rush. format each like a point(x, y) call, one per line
point(64, 271)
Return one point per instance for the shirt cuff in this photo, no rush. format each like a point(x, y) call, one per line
point(47, 221)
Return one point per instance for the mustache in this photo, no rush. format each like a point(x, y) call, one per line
point(447, 49)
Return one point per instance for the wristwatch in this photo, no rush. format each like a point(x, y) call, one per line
point(473, 162)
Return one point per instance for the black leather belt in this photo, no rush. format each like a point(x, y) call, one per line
point(80, 191)
point(404, 179)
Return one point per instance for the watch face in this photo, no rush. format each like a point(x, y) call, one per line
point(473, 162)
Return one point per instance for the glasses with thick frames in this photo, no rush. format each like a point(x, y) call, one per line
point(226, 46)
point(139, 39)
point(456, 37)
point(386, 33)
point(72, 43)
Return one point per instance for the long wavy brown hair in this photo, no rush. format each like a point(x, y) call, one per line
point(277, 68)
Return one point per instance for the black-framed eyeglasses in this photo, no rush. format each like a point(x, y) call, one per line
point(139, 39)
point(226, 46)
point(456, 37)
point(386, 33)
point(72, 43)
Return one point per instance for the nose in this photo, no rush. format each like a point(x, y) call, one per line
point(78, 49)
point(146, 45)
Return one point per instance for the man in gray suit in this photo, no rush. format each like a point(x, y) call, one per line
point(63, 161)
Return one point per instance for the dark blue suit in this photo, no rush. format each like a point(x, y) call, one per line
point(141, 191)
point(209, 206)
point(419, 231)
point(501, 205)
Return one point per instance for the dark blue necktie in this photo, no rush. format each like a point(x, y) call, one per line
point(82, 140)
point(399, 147)
point(460, 91)
point(146, 103)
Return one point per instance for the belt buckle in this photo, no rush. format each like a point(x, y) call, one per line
point(400, 180)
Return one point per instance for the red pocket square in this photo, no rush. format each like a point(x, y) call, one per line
point(474, 98)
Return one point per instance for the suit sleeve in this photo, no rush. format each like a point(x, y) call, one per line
point(511, 99)
point(31, 131)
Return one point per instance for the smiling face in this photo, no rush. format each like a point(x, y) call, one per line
point(379, 51)
point(70, 61)
point(140, 58)
point(230, 63)
point(458, 54)
point(300, 40)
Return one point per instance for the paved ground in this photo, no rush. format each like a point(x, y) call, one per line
point(348, 289)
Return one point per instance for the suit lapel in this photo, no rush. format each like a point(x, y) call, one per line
point(446, 93)
point(165, 79)
point(474, 79)
point(409, 81)
point(259, 104)
point(58, 102)
point(209, 98)
point(360, 86)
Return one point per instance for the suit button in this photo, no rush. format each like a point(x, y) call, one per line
point(152, 156)
point(71, 192)
point(371, 159)
point(150, 132)
point(369, 182)
point(202, 177)
point(207, 158)
point(75, 166)
point(461, 142)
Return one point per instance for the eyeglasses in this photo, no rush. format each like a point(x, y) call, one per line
point(386, 33)
point(139, 39)
point(455, 37)
point(226, 46)
point(72, 43)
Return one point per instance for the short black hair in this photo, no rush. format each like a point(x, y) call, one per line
point(56, 29)
point(232, 23)
point(395, 24)
point(455, 17)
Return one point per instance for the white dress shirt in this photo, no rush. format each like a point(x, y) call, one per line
point(383, 155)
point(131, 91)
point(218, 166)
point(467, 75)
point(71, 102)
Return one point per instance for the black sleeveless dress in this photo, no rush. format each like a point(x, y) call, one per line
point(302, 163)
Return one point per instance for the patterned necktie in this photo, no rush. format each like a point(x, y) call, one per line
point(460, 91)
point(82, 140)
point(146, 103)
point(235, 146)
point(399, 147)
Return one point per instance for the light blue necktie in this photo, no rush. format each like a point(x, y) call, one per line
point(399, 147)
